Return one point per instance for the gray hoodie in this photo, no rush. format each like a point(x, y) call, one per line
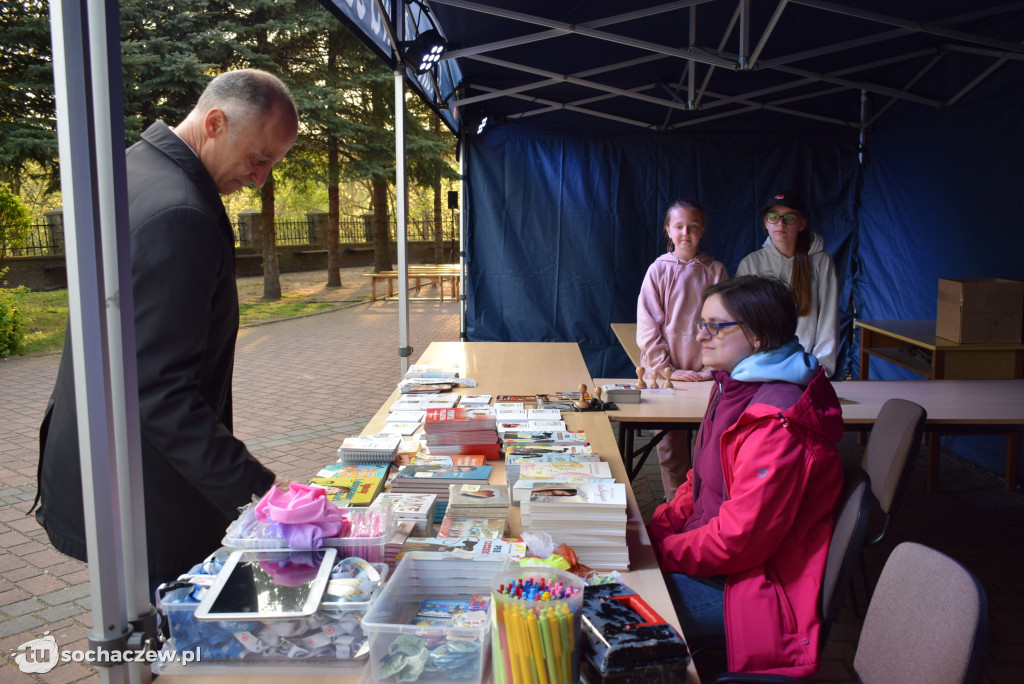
point(818, 331)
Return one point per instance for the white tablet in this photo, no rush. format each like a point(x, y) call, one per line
point(265, 584)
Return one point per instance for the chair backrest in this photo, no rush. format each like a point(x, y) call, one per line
point(889, 455)
point(844, 549)
point(927, 621)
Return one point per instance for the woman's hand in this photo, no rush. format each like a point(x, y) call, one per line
point(691, 376)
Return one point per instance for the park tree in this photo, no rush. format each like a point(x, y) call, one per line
point(169, 51)
point(28, 124)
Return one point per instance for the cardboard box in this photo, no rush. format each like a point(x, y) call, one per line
point(980, 310)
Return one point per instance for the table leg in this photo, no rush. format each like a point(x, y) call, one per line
point(934, 446)
point(1012, 461)
point(627, 456)
point(373, 289)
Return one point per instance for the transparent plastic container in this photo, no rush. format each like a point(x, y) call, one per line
point(396, 625)
point(331, 639)
point(370, 529)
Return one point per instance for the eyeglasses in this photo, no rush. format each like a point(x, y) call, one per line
point(788, 219)
point(713, 326)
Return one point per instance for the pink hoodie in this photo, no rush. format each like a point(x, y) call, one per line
point(668, 306)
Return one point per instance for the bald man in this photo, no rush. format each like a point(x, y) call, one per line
point(195, 472)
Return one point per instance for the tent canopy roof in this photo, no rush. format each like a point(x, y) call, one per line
point(604, 66)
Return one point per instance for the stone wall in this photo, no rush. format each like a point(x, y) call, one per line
point(50, 273)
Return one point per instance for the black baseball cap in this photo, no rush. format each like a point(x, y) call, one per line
point(786, 198)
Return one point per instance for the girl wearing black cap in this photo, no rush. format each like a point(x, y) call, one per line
point(797, 256)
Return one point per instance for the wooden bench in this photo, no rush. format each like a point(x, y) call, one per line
point(437, 275)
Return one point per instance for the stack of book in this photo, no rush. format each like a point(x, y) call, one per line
point(351, 485)
point(393, 546)
point(452, 432)
point(518, 454)
point(467, 400)
point(589, 517)
point(378, 449)
point(475, 511)
point(432, 371)
point(621, 393)
point(433, 479)
point(554, 474)
point(514, 548)
point(419, 508)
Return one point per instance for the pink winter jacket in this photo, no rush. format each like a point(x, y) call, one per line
point(668, 306)
point(783, 478)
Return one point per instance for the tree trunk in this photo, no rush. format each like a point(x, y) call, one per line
point(381, 234)
point(271, 271)
point(333, 209)
point(438, 228)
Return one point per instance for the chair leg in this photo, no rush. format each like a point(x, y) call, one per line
point(867, 590)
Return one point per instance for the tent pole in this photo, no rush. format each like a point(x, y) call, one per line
point(463, 214)
point(401, 194)
point(82, 153)
point(104, 21)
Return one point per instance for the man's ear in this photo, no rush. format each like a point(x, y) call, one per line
point(215, 123)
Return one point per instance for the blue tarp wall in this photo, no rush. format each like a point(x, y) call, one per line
point(562, 228)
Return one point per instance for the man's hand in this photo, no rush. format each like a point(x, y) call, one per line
point(282, 483)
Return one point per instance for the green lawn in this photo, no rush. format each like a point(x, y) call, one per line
point(46, 314)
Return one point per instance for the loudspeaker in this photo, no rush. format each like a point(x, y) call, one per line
point(453, 199)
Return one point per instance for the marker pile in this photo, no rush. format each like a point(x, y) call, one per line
point(536, 622)
point(537, 589)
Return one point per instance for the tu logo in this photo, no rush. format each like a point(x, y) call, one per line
point(38, 655)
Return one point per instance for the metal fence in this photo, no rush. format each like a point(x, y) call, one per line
point(47, 239)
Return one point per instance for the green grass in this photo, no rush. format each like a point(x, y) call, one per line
point(288, 306)
point(46, 314)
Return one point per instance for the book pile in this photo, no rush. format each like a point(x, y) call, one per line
point(422, 402)
point(417, 508)
point(431, 459)
point(432, 371)
point(414, 386)
point(377, 449)
point(621, 393)
point(402, 531)
point(589, 517)
point(514, 548)
point(466, 400)
point(351, 485)
point(482, 528)
point(475, 511)
point(534, 446)
point(433, 479)
point(554, 474)
point(456, 431)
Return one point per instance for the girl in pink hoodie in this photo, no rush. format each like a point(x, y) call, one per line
point(668, 306)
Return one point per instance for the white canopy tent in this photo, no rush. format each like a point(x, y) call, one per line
point(87, 75)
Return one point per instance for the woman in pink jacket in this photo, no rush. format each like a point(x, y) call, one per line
point(743, 542)
point(667, 308)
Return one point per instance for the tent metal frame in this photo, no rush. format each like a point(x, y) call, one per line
point(700, 96)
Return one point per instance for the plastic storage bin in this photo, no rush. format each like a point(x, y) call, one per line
point(456, 651)
point(371, 528)
point(329, 640)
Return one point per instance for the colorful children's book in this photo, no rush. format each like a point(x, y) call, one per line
point(456, 460)
point(485, 528)
point(351, 491)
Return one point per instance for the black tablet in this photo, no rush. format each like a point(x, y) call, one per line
point(265, 584)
